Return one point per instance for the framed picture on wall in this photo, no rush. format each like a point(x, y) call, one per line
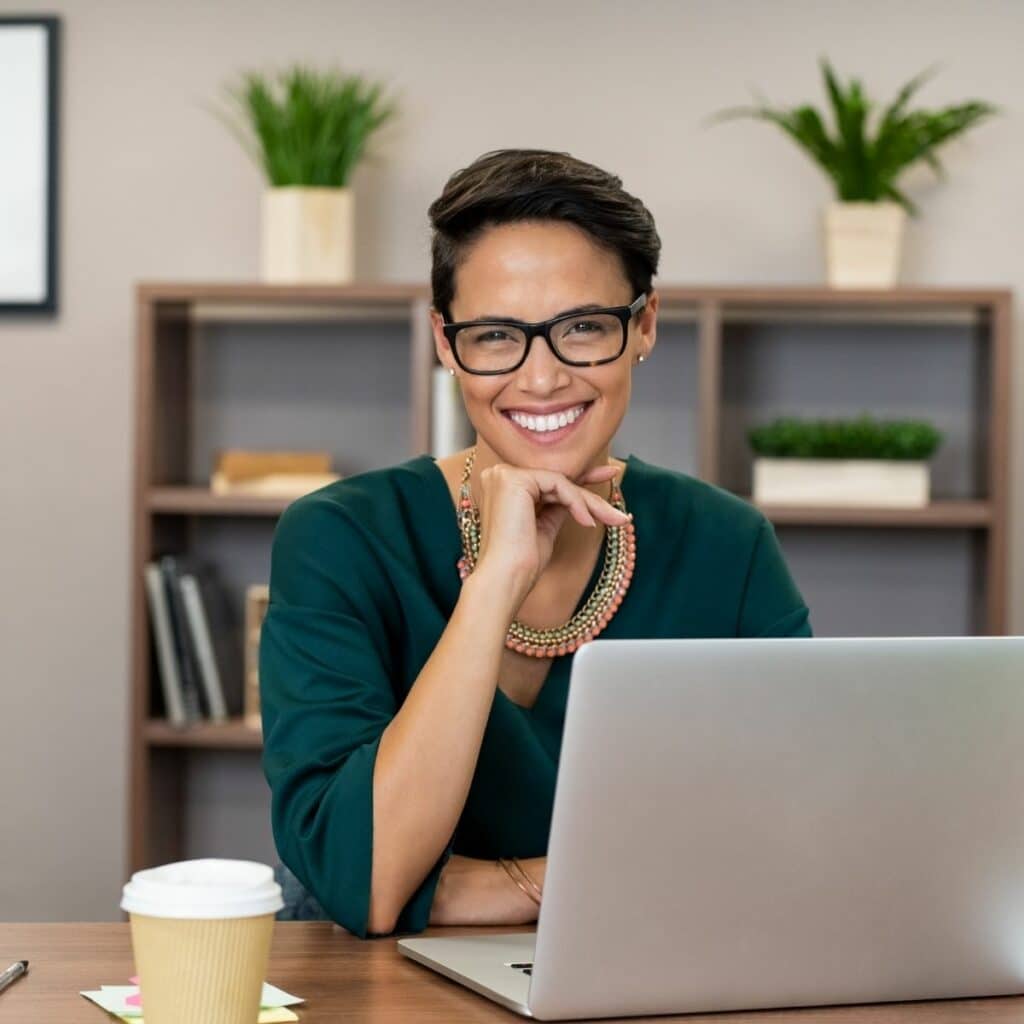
point(29, 96)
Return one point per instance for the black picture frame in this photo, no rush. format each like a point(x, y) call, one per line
point(17, 300)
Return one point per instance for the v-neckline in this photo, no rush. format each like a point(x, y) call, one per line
point(561, 659)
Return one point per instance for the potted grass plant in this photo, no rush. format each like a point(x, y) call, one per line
point(307, 131)
point(864, 158)
point(861, 462)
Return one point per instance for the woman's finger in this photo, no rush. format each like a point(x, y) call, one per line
point(586, 507)
point(604, 511)
point(598, 474)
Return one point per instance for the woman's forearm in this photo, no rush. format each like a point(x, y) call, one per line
point(428, 753)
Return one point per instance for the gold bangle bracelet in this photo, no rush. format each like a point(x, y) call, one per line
point(508, 871)
point(529, 881)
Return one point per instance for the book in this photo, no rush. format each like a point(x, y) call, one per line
point(167, 662)
point(199, 634)
point(273, 485)
point(450, 430)
point(257, 600)
point(280, 474)
point(188, 666)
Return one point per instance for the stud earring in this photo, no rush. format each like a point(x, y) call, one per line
point(641, 359)
point(451, 371)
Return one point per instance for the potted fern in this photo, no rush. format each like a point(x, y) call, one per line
point(864, 226)
point(307, 131)
point(861, 462)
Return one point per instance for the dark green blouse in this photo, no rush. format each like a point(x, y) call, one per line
point(363, 580)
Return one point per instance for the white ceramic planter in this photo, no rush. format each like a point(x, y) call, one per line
point(863, 243)
point(308, 235)
point(860, 482)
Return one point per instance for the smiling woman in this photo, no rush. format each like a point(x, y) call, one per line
point(415, 656)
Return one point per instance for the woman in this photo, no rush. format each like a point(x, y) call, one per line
point(412, 702)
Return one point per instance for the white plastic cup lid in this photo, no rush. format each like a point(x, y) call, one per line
point(208, 889)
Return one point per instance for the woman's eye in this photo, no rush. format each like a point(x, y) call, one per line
point(584, 327)
point(493, 335)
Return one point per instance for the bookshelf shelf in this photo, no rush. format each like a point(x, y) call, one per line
point(349, 368)
point(231, 735)
point(939, 515)
point(201, 501)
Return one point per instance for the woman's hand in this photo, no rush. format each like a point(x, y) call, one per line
point(521, 512)
point(480, 892)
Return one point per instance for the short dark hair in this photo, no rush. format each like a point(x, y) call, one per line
point(508, 185)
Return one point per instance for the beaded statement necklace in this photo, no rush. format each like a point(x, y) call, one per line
point(600, 606)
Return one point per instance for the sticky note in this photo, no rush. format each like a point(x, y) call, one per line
point(124, 1001)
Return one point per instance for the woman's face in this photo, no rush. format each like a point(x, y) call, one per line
point(530, 271)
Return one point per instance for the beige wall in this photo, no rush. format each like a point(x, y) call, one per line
point(154, 187)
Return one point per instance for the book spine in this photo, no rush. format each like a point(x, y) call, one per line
point(179, 627)
point(159, 617)
point(199, 630)
point(449, 427)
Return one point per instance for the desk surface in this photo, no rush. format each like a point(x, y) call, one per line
point(343, 978)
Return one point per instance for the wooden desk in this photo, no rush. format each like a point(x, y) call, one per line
point(347, 979)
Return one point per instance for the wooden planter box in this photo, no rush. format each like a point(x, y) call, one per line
point(863, 244)
point(824, 482)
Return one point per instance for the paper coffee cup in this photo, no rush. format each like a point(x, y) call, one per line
point(201, 932)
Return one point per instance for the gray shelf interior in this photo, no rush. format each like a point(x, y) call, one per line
point(227, 812)
point(338, 387)
point(887, 582)
point(661, 424)
point(905, 371)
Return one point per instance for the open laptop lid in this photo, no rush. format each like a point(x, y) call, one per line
point(784, 822)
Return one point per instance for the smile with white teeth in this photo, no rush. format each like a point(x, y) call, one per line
point(542, 424)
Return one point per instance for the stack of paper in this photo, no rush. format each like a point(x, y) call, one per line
point(124, 1001)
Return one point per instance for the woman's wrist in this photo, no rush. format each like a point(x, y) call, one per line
point(522, 878)
point(501, 591)
point(479, 892)
point(519, 905)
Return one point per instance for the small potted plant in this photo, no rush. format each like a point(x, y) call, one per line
point(861, 462)
point(864, 226)
point(308, 131)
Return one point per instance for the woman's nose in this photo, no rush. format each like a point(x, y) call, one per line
point(542, 371)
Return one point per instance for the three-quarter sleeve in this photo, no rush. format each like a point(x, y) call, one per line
point(772, 605)
point(327, 693)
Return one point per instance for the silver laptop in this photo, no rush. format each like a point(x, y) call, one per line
point(752, 823)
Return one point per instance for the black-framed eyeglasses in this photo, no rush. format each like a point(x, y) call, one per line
point(589, 338)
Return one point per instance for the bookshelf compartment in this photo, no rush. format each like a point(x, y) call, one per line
point(337, 387)
point(661, 424)
point(888, 582)
point(934, 372)
point(228, 806)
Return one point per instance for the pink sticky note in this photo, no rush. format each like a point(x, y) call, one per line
point(133, 981)
point(135, 1000)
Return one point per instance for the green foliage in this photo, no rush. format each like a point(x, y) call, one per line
point(862, 438)
point(865, 166)
point(305, 127)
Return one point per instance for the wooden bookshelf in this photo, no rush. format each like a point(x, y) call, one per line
point(953, 515)
point(201, 501)
point(231, 735)
point(179, 416)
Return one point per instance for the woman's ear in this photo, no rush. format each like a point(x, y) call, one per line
point(441, 346)
point(647, 328)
